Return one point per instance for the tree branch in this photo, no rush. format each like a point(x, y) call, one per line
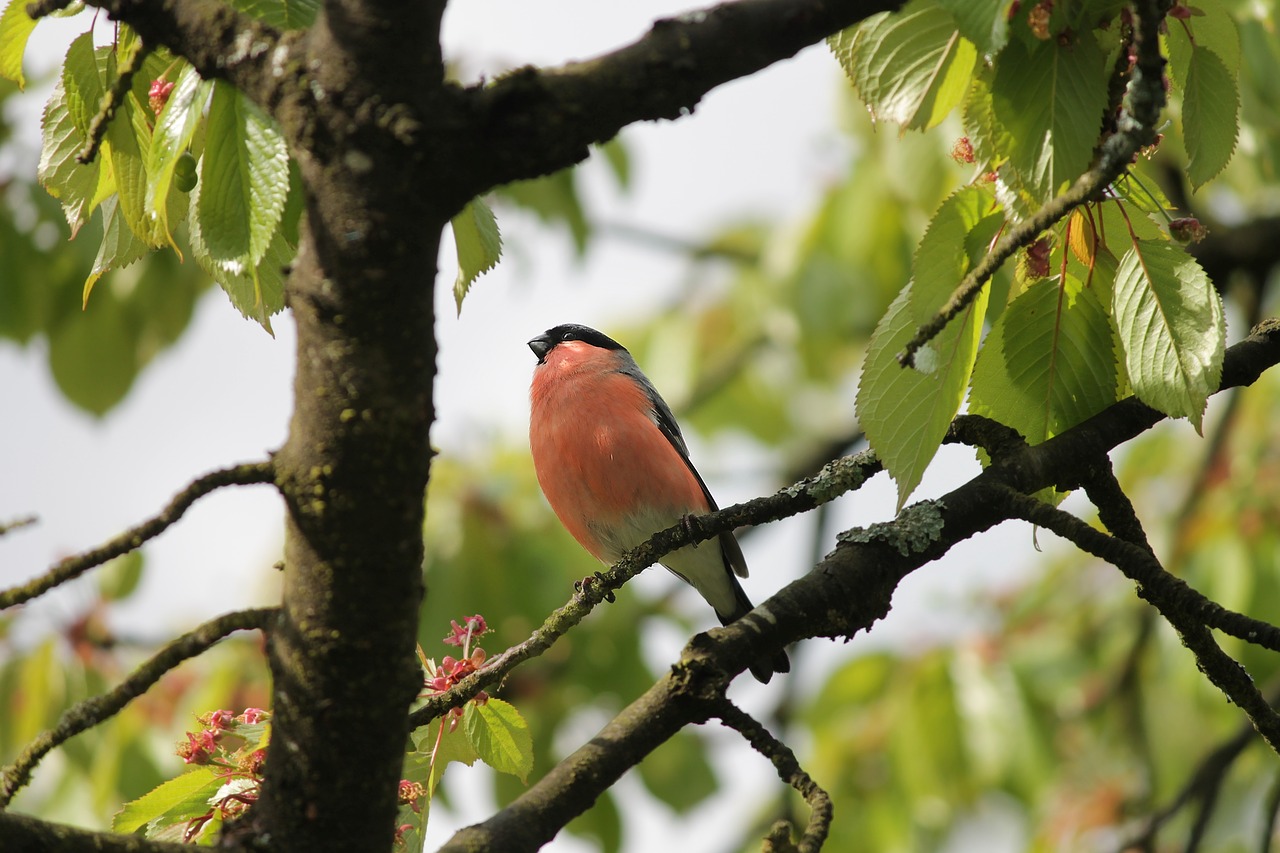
point(1190, 613)
point(250, 473)
point(1136, 129)
point(536, 121)
point(95, 710)
point(789, 771)
point(21, 832)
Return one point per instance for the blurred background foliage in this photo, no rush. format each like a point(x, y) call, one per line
point(1070, 720)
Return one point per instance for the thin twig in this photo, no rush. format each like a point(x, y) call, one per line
point(72, 567)
point(1136, 130)
point(84, 715)
point(17, 524)
point(789, 771)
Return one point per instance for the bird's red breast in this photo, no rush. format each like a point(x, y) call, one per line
point(606, 468)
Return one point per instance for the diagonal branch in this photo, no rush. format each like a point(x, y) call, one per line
point(249, 473)
point(1190, 613)
point(535, 121)
point(789, 770)
point(1136, 129)
point(95, 710)
point(21, 832)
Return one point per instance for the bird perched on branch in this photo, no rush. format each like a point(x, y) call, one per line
point(614, 466)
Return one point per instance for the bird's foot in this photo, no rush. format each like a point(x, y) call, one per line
point(585, 584)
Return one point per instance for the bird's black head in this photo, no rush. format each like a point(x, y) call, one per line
point(548, 340)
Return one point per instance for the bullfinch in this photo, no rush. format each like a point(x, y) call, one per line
point(614, 466)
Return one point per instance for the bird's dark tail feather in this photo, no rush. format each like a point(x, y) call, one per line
point(764, 668)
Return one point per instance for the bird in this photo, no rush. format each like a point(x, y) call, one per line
point(612, 463)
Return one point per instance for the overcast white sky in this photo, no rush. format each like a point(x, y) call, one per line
point(764, 145)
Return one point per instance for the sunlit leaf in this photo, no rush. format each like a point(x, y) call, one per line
point(905, 412)
point(500, 736)
point(1171, 327)
point(1048, 362)
point(178, 799)
point(1210, 116)
point(1049, 100)
point(910, 67)
point(244, 182)
point(16, 27)
point(479, 245)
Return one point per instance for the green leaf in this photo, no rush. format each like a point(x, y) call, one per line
point(1050, 99)
point(119, 247)
point(1171, 327)
point(1047, 363)
point(983, 22)
point(479, 245)
point(256, 292)
point(178, 799)
point(957, 237)
point(904, 411)
point(16, 27)
point(910, 67)
point(1210, 116)
point(619, 160)
point(433, 753)
point(1215, 30)
point(64, 126)
point(175, 126)
point(500, 736)
point(244, 181)
point(281, 14)
point(129, 138)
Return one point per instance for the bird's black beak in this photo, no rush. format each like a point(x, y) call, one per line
point(541, 345)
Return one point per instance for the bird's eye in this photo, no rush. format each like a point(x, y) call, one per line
point(566, 336)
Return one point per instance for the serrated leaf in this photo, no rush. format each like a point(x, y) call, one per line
point(906, 412)
point(178, 799)
point(1215, 30)
point(119, 247)
point(910, 67)
point(500, 736)
point(175, 126)
point(257, 292)
point(478, 243)
point(957, 236)
point(78, 187)
point(244, 181)
point(16, 27)
point(1171, 326)
point(1047, 363)
point(983, 22)
point(1049, 99)
point(1210, 116)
